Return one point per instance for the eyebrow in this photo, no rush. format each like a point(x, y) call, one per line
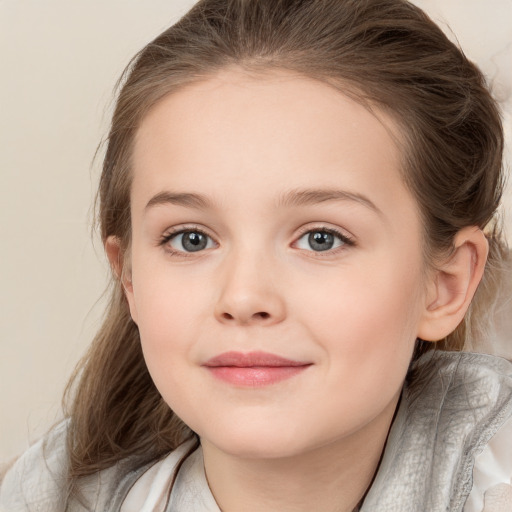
point(292, 198)
point(314, 196)
point(189, 200)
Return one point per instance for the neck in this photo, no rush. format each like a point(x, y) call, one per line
point(332, 478)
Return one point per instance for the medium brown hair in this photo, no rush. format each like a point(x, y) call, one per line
point(383, 53)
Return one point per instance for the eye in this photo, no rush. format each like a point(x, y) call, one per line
point(189, 241)
point(320, 240)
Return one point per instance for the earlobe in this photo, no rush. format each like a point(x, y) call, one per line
point(121, 269)
point(113, 251)
point(118, 262)
point(454, 284)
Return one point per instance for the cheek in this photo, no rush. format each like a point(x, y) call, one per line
point(165, 300)
point(166, 331)
point(167, 321)
point(373, 300)
point(367, 334)
point(368, 316)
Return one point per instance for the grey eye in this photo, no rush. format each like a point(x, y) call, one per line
point(191, 241)
point(320, 240)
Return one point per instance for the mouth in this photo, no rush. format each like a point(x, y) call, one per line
point(253, 369)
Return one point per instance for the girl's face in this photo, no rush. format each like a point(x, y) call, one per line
point(276, 263)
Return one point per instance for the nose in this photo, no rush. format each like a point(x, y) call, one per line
point(249, 293)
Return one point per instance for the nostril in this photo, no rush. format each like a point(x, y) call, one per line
point(255, 317)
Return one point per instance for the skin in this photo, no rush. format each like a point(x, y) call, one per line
point(352, 312)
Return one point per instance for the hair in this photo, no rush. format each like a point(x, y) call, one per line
point(385, 54)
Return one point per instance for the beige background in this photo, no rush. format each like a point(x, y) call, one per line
point(58, 64)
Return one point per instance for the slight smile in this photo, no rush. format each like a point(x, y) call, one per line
point(253, 369)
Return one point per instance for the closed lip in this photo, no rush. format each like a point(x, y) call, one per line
point(251, 360)
point(253, 369)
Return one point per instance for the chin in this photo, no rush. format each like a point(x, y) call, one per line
point(259, 444)
point(258, 450)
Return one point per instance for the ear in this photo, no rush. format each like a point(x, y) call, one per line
point(121, 268)
point(453, 285)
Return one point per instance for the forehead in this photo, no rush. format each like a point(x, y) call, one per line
point(228, 134)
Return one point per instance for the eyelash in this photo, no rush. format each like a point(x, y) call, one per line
point(345, 240)
point(167, 237)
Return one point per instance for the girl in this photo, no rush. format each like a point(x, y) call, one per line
point(298, 203)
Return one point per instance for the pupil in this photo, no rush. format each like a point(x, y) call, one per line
point(321, 241)
point(194, 242)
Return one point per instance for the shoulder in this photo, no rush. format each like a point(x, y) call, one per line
point(470, 396)
point(36, 480)
point(453, 406)
point(492, 474)
point(461, 365)
point(458, 383)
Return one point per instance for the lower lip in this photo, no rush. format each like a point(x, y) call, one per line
point(255, 376)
